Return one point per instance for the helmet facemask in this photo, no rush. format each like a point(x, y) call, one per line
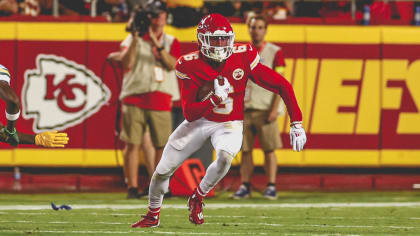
point(218, 45)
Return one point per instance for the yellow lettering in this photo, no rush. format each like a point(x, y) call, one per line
point(369, 111)
point(331, 95)
point(393, 70)
point(409, 123)
point(309, 71)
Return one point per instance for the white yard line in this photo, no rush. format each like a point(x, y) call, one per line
point(221, 205)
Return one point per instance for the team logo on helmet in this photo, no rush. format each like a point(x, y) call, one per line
point(238, 73)
point(60, 93)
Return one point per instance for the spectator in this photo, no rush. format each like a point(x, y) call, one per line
point(113, 10)
point(149, 151)
point(8, 7)
point(307, 8)
point(185, 13)
point(275, 11)
point(148, 88)
point(260, 116)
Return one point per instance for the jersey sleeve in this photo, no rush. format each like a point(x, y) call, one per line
point(4, 74)
point(175, 48)
point(276, 83)
point(252, 56)
point(192, 109)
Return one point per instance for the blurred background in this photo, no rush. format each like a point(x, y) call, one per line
point(354, 66)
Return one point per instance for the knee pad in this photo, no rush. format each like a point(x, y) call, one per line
point(162, 174)
point(224, 158)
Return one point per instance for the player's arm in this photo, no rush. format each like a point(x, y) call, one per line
point(12, 105)
point(44, 139)
point(192, 109)
point(274, 82)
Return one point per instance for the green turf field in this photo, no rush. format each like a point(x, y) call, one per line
point(294, 213)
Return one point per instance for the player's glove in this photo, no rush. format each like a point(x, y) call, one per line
point(51, 139)
point(222, 91)
point(297, 136)
point(11, 137)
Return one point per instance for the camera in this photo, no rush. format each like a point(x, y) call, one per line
point(143, 14)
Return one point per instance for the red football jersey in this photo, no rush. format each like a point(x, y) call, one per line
point(193, 69)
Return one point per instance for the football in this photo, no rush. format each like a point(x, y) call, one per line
point(207, 89)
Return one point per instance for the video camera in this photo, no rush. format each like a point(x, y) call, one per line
point(143, 14)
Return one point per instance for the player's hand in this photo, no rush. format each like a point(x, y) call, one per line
point(51, 139)
point(11, 137)
point(297, 136)
point(222, 91)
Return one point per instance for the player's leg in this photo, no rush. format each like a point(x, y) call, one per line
point(270, 140)
point(185, 140)
point(247, 164)
point(227, 140)
point(160, 130)
point(131, 134)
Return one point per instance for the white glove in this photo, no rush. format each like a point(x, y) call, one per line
point(221, 91)
point(297, 136)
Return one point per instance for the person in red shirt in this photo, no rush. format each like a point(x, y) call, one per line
point(148, 88)
point(220, 116)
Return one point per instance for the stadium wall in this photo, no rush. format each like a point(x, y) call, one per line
point(358, 87)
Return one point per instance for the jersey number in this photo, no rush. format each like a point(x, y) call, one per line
point(239, 49)
point(225, 107)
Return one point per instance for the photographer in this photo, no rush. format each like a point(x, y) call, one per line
point(148, 55)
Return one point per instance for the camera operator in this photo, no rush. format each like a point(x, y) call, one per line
point(148, 55)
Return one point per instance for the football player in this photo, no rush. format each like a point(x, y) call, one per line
point(9, 134)
point(12, 105)
point(220, 115)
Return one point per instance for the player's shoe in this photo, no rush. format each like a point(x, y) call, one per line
point(195, 206)
point(243, 192)
point(270, 193)
point(150, 220)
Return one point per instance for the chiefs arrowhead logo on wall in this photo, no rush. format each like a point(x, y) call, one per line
point(60, 93)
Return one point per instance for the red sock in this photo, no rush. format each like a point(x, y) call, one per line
point(154, 211)
point(200, 192)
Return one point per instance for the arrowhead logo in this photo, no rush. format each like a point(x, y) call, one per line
point(60, 93)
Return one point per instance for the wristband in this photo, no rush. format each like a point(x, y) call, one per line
point(160, 49)
point(12, 117)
